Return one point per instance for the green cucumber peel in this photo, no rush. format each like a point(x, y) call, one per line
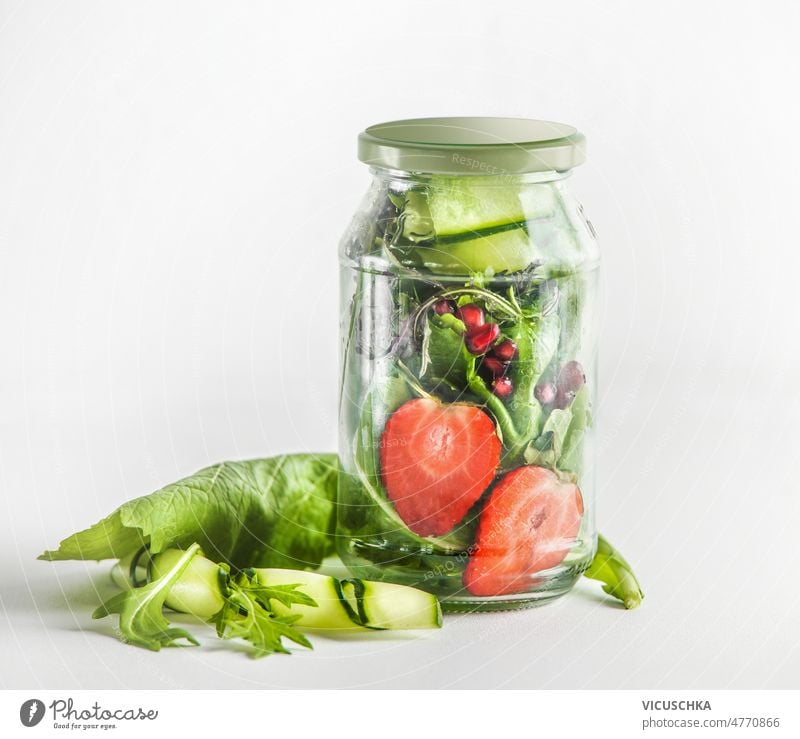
point(352, 593)
point(458, 238)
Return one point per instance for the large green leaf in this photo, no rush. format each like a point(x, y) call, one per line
point(276, 512)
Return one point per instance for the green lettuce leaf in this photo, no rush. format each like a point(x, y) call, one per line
point(276, 512)
point(559, 444)
point(581, 419)
point(537, 343)
point(545, 450)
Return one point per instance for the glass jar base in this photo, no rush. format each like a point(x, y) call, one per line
point(449, 588)
point(472, 604)
point(553, 589)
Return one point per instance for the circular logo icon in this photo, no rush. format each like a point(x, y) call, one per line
point(31, 712)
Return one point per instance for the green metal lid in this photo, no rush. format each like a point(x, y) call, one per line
point(472, 146)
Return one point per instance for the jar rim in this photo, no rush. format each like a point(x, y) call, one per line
point(472, 145)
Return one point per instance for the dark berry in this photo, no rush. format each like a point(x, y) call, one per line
point(471, 315)
point(502, 387)
point(494, 366)
point(480, 339)
point(545, 393)
point(440, 307)
point(505, 351)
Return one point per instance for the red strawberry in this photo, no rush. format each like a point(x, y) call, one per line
point(436, 460)
point(528, 525)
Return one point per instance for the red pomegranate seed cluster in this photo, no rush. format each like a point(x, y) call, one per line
point(481, 340)
point(496, 365)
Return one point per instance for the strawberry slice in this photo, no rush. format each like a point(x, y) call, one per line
point(436, 460)
point(528, 525)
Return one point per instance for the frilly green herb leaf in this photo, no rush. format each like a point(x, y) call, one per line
point(141, 617)
point(286, 595)
point(247, 614)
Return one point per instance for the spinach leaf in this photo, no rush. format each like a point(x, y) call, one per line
point(443, 356)
point(276, 512)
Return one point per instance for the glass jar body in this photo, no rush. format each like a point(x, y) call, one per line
point(468, 375)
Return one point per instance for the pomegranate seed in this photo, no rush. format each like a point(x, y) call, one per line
point(480, 339)
point(545, 393)
point(471, 315)
point(564, 398)
point(440, 307)
point(502, 387)
point(505, 351)
point(571, 378)
point(494, 366)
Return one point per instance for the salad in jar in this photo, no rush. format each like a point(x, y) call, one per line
point(468, 364)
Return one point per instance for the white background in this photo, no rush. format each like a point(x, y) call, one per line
point(174, 177)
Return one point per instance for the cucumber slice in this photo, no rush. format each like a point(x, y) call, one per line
point(197, 590)
point(354, 604)
point(121, 572)
point(385, 605)
point(341, 605)
point(510, 250)
point(538, 201)
point(464, 204)
point(119, 576)
point(331, 612)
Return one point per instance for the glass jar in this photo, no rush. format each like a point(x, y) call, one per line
point(468, 363)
